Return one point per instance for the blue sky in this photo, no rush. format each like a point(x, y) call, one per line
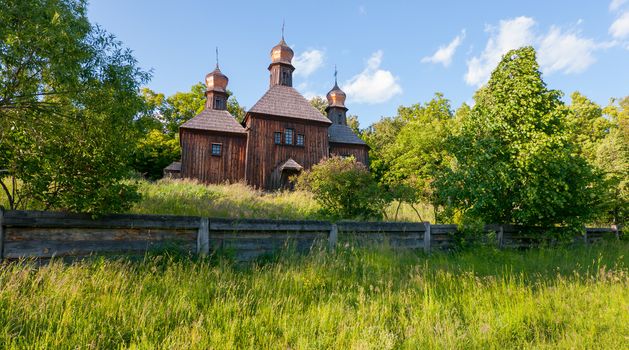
point(388, 53)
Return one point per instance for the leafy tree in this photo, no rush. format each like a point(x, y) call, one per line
point(319, 103)
point(418, 152)
point(588, 124)
point(68, 96)
point(344, 188)
point(352, 122)
point(612, 158)
point(153, 153)
point(514, 159)
point(379, 137)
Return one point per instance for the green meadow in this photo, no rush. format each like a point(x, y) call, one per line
point(567, 298)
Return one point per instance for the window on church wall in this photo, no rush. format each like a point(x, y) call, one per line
point(300, 140)
point(277, 138)
point(288, 136)
point(216, 149)
point(218, 103)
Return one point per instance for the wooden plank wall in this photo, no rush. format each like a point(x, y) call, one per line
point(360, 152)
point(49, 234)
point(394, 234)
point(197, 161)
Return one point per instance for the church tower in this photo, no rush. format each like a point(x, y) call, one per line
point(281, 66)
point(342, 139)
point(216, 88)
point(337, 112)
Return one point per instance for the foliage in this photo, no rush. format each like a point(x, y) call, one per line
point(612, 157)
point(320, 104)
point(180, 107)
point(418, 153)
point(69, 95)
point(153, 153)
point(349, 299)
point(514, 159)
point(344, 188)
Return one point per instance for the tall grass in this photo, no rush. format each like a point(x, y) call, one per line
point(378, 299)
point(188, 197)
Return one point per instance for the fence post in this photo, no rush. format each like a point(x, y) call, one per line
point(203, 237)
point(333, 237)
point(427, 237)
point(585, 234)
point(501, 233)
point(614, 228)
point(1, 233)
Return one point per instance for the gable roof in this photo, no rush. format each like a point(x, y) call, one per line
point(214, 120)
point(174, 166)
point(285, 101)
point(339, 133)
point(290, 164)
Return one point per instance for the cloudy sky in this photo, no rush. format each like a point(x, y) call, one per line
point(388, 53)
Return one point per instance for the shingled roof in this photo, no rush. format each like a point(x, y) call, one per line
point(285, 101)
point(339, 133)
point(214, 120)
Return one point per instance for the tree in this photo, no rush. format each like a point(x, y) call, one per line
point(612, 158)
point(352, 122)
point(320, 104)
point(68, 96)
point(514, 159)
point(344, 188)
point(153, 153)
point(418, 152)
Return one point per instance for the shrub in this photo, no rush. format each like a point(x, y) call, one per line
point(344, 188)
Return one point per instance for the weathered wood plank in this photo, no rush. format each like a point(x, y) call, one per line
point(93, 234)
point(1, 233)
point(345, 226)
point(203, 239)
point(427, 237)
point(39, 249)
point(268, 225)
point(19, 218)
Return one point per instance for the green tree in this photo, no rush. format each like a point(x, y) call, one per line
point(418, 152)
point(514, 159)
point(320, 104)
point(153, 153)
point(344, 188)
point(68, 96)
point(612, 158)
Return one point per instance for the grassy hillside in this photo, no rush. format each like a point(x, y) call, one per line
point(187, 197)
point(361, 299)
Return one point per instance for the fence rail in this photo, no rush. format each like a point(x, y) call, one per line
point(52, 234)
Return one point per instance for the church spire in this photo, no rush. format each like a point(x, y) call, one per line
point(337, 112)
point(216, 88)
point(281, 66)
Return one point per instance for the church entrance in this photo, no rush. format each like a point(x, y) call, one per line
point(283, 176)
point(287, 180)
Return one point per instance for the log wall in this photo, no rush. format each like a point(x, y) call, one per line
point(43, 235)
point(198, 162)
point(263, 155)
point(360, 152)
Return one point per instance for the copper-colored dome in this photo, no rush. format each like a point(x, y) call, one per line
point(282, 53)
point(216, 81)
point(336, 97)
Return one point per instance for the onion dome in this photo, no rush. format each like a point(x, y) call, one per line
point(336, 97)
point(282, 53)
point(216, 81)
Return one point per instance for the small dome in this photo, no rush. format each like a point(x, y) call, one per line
point(216, 81)
point(336, 97)
point(282, 53)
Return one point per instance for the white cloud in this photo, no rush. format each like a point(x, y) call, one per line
point(620, 28)
point(616, 4)
point(558, 50)
point(372, 85)
point(511, 34)
point(308, 62)
point(445, 52)
point(565, 52)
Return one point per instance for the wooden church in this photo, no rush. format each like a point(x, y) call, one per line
point(281, 135)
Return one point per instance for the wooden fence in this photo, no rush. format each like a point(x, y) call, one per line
point(47, 234)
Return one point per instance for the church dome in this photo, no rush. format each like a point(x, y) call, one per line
point(216, 81)
point(282, 53)
point(336, 97)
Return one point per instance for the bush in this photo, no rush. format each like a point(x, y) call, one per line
point(154, 152)
point(344, 188)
